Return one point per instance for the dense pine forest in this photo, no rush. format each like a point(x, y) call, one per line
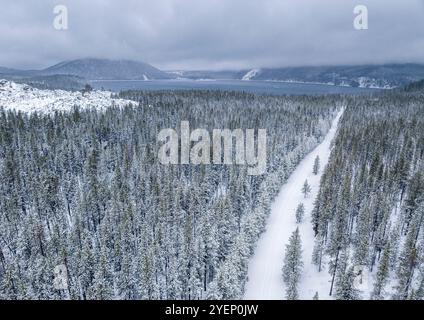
point(368, 217)
point(212, 158)
point(84, 189)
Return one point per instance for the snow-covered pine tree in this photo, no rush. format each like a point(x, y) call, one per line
point(362, 237)
point(316, 167)
point(382, 274)
point(409, 257)
point(336, 247)
point(318, 252)
point(419, 293)
point(102, 277)
point(293, 265)
point(345, 288)
point(300, 212)
point(306, 189)
point(213, 292)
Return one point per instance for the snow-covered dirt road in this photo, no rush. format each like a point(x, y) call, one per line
point(265, 267)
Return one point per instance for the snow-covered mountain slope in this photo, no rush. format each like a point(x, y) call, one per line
point(251, 74)
point(105, 69)
point(22, 97)
point(265, 267)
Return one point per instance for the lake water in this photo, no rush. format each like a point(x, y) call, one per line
point(262, 87)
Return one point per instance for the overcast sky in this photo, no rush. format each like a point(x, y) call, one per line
point(212, 34)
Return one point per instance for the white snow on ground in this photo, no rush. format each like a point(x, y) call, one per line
point(251, 74)
point(22, 97)
point(265, 279)
point(365, 82)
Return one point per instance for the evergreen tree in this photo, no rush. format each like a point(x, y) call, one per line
point(409, 257)
point(362, 237)
point(345, 289)
point(306, 189)
point(316, 165)
point(300, 212)
point(318, 252)
point(382, 274)
point(419, 294)
point(293, 265)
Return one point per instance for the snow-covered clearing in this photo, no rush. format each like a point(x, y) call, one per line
point(21, 97)
point(265, 267)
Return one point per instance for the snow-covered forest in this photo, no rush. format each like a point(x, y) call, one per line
point(368, 216)
point(337, 215)
point(83, 188)
point(212, 158)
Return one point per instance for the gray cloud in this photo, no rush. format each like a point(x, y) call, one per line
point(212, 34)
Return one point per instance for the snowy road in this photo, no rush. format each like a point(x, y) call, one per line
point(265, 275)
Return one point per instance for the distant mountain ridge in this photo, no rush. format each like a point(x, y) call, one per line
point(83, 70)
point(104, 69)
point(366, 76)
point(379, 76)
point(7, 70)
point(73, 74)
point(92, 69)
